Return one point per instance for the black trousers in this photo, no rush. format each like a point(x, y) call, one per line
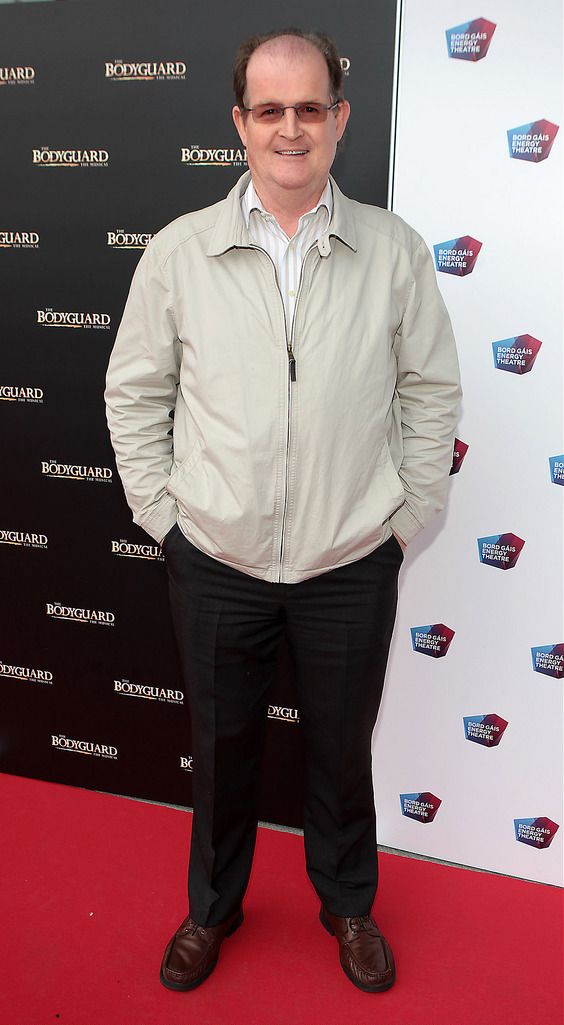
point(228, 626)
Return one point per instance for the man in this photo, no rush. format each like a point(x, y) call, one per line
point(302, 345)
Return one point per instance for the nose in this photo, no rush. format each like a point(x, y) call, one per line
point(290, 126)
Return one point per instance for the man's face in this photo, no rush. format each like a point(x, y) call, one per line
point(289, 156)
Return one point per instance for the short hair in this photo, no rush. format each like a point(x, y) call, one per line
point(322, 43)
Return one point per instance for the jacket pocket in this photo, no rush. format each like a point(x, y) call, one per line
point(184, 469)
point(392, 479)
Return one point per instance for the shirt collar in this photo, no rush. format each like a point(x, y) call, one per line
point(228, 228)
point(251, 201)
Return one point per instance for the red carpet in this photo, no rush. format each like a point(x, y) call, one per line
point(94, 886)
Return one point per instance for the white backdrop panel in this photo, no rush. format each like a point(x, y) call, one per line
point(454, 177)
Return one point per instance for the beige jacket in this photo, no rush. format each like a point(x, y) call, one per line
point(279, 478)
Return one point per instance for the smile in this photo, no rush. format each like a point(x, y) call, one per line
point(291, 152)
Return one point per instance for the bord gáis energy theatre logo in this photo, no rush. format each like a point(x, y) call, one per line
point(500, 550)
point(532, 141)
point(471, 40)
point(486, 730)
point(422, 807)
point(517, 355)
point(433, 640)
point(556, 464)
point(457, 256)
point(537, 832)
point(548, 659)
point(459, 451)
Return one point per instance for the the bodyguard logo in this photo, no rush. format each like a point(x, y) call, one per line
point(422, 807)
point(460, 450)
point(500, 550)
point(549, 660)
point(282, 714)
point(532, 141)
point(517, 355)
point(149, 692)
point(75, 471)
point(23, 539)
point(17, 74)
point(145, 71)
point(485, 729)
point(83, 747)
point(345, 63)
point(556, 464)
point(46, 157)
point(471, 40)
point(10, 672)
point(65, 318)
point(19, 240)
point(432, 640)
point(537, 833)
point(129, 550)
point(20, 393)
point(93, 616)
point(199, 156)
point(186, 763)
point(121, 239)
point(457, 256)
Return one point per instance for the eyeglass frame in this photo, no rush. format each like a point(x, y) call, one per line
point(292, 106)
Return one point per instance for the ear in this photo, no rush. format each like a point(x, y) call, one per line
point(239, 119)
point(342, 117)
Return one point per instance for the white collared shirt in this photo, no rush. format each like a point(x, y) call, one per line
point(286, 253)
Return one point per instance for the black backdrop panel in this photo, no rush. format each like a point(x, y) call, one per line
point(91, 689)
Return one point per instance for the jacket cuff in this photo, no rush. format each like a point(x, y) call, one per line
point(160, 519)
point(405, 524)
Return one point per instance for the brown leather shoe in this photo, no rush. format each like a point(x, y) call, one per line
point(191, 955)
point(365, 954)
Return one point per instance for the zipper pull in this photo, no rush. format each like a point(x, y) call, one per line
point(292, 362)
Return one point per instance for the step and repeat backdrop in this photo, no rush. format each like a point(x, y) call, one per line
point(116, 119)
point(468, 753)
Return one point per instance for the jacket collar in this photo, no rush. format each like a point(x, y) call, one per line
point(230, 230)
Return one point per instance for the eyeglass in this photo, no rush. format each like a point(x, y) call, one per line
point(309, 113)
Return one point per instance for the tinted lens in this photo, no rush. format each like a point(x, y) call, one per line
point(308, 112)
point(265, 113)
point(311, 112)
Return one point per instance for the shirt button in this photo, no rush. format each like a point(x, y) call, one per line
point(291, 294)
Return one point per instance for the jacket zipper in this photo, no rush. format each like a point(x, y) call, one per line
point(291, 377)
